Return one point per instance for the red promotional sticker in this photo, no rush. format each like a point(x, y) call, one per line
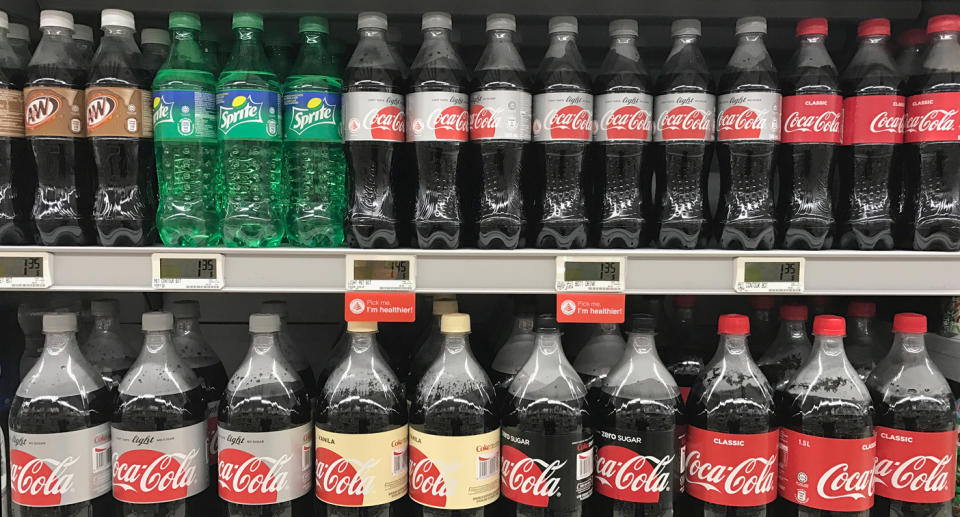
point(916, 467)
point(378, 306)
point(873, 119)
point(590, 308)
point(831, 474)
point(731, 469)
point(933, 117)
point(812, 119)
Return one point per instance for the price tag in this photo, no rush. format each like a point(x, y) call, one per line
point(25, 270)
point(381, 273)
point(591, 274)
point(179, 271)
point(769, 275)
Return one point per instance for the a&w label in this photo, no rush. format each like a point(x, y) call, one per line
point(361, 469)
point(748, 116)
point(437, 116)
point(160, 466)
point(916, 467)
point(500, 115)
point(830, 474)
point(265, 468)
point(454, 472)
point(554, 472)
point(873, 119)
point(118, 112)
point(812, 119)
point(933, 117)
point(562, 116)
point(373, 116)
point(635, 467)
point(59, 469)
point(623, 116)
point(731, 469)
point(248, 115)
point(684, 116)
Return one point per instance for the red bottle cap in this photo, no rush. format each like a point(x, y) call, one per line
point(912, 37)
point(827, 325)
point(874, 27)
point(762, 302)
point(793, 312)
point(686, 301)
point(910, 322)
point(861, 310)
point(733, 324)
point(944, 22)
point(812, 26)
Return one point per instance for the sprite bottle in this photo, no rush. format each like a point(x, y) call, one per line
point(248, 128)
point(185, 141)
point(314, 163)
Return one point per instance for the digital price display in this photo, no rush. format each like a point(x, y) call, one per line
point(25, 271)
point(769, 275)
point(381, 273)
point(590, 274)
point(173, 271)
point(381, 270)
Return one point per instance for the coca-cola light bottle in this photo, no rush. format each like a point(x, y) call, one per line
point(60, 455)
point(731, 448)
point(916, 436)
point(546, 440)
point(290, 349)
point(437, 118)
point(685, 111)
point(160, 430)
point(639, 431)
point(932, 134)
point(265, 435)
point(562, 126)
point(105, 348)
point(789, 349)
point(810, 136)
point(827, 440)
point(748, 132)
point(873, 109)
point(623, 108)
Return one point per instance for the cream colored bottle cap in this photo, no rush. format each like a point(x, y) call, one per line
point(455, 323)
point(361, 326)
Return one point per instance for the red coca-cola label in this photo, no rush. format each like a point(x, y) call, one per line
point(637, 467)
point(562, 116)
point(731, 469)
point(873, 119)
point(623, 117)
point(59, 469)
point(933, 117)
point(437, 116)
point(916, 467)
point(684, 116)
point(748, 116)
point(833, 474)
point(812, 119)
point(500, 115)
point(361, 469)
point(159, 466)
point(373, 116)
point(553, 472)
point(265, 468)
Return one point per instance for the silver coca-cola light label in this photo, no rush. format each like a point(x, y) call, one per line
point(59, 469)
point(160, 466)
point(265, 468)
point(623, 117)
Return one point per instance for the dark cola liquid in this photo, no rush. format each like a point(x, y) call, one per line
point(18, 180)
point(213, 382)
point(162, 413)
point(685, 352)
point(60, 415)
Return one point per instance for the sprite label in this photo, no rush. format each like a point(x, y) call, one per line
point(312, 116)
point(248, 115)
point(183, 115)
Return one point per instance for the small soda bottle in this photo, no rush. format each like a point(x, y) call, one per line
point(19, 36)
point(83, 43)
point(280, 51)
point(17, 177)
point(155, 47)
point(210, 47)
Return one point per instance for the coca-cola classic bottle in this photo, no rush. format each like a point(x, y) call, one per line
point(789, 349)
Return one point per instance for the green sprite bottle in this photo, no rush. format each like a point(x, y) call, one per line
point(248, 128)
point(185, 141)
point(314, 163)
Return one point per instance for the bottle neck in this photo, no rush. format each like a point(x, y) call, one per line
point(625, 46)
point(368, 34)
point(682, 42)
point(561, 43)
point(314, 57)
point(248, 52)
point(875, 40)
point(609, 329)
point(362, 344)
point(830, 347)
point(908, 349)
point(60, 344)
point(115, 31)
point(861, 326)
point(641, 343)
point(455, 345)
point(500, 37)
point(185, 326)
point(436, 36)
point(157, 343)
point(750, 51)
point(792, 330)
point(105, 323)
point(523, 323)
point(548, 344)
point(185, 54)
point(59, 34)
point(734, 347)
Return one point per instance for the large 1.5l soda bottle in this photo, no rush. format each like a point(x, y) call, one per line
point(437, 119)
point(17, 178)
point(290, 349)
point(562, 127)
point(105, 348)
point(810, 136)
point(249, 132)
point(748, 131)
point(313, 162)
point(932, 133)
point(686, 349)
point(789, 350)
point(185, 142)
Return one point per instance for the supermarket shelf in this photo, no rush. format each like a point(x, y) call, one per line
point(648, 271)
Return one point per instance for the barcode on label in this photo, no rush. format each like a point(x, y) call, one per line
point(585, 464)
point(399, 464)
point(101, 459)
point(306, 461)
point(487, 466)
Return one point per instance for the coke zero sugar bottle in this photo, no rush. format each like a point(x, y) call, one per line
point(748, 131)
point(731, 448)
point(265, 432)
point(916, 449)
point(789, 349)
point(864, 347)
point(827, 440)
point(685, 349)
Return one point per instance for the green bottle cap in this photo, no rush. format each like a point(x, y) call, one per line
point(182, 20)
point(247, 21)
point(314, 24)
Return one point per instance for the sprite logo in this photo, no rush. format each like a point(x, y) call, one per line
point(241, 111)
point(162, 111)
point(317, 113)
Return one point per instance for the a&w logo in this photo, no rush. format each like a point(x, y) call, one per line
point(919, 473)
point(527, 480)
point(627, 476)
point(247, 479)
point(427, 484)
point(147, 476)
point(40, 481)
point(100, 109)
point(241, 110)
point(317, 113)
point(41, 109)
point(342, 481)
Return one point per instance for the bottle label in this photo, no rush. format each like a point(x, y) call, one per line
point(183, 115)
point(213, 411)
point(265, 468)
point(11, 113)
point(159, 466)
point(554, 472)
point(623, 117)
point(437, 116)
point(637, 467)
point(832, 474)
point(873, 119)
point(815, 119)
point(454, 472)
point(59, 469)
point(748, 116)
point(248, 115)
point(684, 116)
point(53, 112)
point(118, 112)
point(361, 469)
point(731, 469)
point(373, 116)
point(916, 467)
point(312, 117)
point(933, 117)
point(559, 116)
point(500, 115)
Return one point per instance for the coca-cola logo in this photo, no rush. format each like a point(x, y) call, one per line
point(570, 122)
point(247, 479)
point(754, 476)
point(343, 481)
point(919, 473)
point(626, 122)
point(483, 123)
point(625, 475)
point(841, 482)
point(935, 120)
point(450, 123)
point(40, 481)
point(387, 123)
point(427, 485)
point(739, 122)
point(41, 109)
point(527, 480)
point(885, 122)
point(824, 122)
point(147, 476)
point(683, 122)
point(100, 109)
